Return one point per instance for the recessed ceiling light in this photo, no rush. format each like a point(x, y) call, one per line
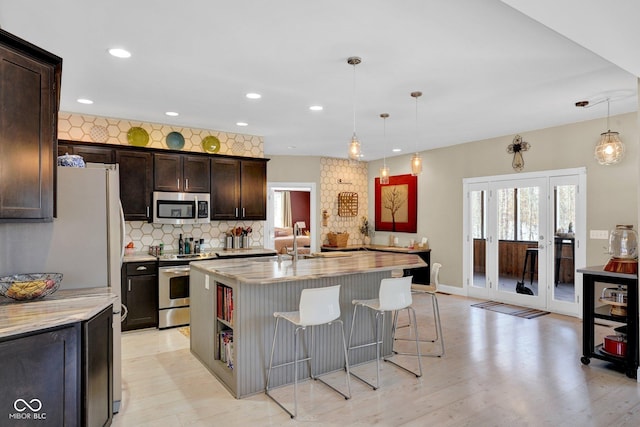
point(316, 108)
point(242, 124)
point(397, 150)
point(253, 95)
point(171, 113)
point(119, 53)
point(292, 147)
point(84, 101)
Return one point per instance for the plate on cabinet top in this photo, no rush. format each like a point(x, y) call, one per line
point(175, 140)
point(137, 136)
point(211, 144)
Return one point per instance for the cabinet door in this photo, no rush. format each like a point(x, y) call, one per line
point(140, 296)
point(46, 367)
point(196, 174)
point(95, 154)
point(225, 188)
point(97, 369)
point(28, 125)
point(167, 172)
point(254, 190)
point(136, 177)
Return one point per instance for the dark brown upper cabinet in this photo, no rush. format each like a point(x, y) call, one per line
point(238, 189)
point(181, 172)
point(136, 183)
point(89, 153)
point(29, 101)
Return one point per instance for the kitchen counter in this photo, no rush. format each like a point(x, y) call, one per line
point(243, 252)
point(372, 247)
point(220, 253)
point(269, 270)
point(62, 308)
point(600, 271)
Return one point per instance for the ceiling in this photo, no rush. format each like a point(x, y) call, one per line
point(485, 68)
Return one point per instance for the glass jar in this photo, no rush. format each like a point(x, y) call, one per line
point(623, 242)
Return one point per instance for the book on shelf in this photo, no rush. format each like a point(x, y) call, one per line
point(224, 303)
point(226, 347)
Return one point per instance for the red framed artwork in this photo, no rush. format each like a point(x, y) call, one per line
point(397, 204)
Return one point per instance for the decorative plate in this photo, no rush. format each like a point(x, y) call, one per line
point(175, 140)
point(211, 144)
point(138, 136)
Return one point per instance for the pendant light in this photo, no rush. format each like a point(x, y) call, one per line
point(610, 149)
point(384, 170)
point(416, 160)
point(354, 146)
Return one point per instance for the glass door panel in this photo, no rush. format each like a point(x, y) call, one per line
point(477, 206)
point(520, 249)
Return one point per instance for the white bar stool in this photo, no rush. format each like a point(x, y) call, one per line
point(430, 290)
point(318, 306)
point(394, 295)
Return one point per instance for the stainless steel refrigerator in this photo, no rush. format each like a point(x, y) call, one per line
point(84, 242)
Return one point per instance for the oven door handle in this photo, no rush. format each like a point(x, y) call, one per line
point(178, 270)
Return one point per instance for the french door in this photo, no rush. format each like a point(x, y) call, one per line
point(522, 235)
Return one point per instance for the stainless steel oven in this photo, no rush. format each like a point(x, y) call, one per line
point(173, 288)
point(173, 296)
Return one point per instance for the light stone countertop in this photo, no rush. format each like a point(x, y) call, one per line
point(61, 308)
point(269, 270)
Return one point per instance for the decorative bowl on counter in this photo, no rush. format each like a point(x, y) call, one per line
point(24, 287)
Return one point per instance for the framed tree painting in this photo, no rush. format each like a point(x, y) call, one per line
point(397, 204)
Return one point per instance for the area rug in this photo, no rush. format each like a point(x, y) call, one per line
point(513, 310)
point(186, 331)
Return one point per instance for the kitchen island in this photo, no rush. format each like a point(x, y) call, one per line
point(233, 301)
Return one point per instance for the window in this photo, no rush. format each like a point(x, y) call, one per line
point(518, 218)
point(478, 227)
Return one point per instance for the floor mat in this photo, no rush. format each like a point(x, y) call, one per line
point(185, 330)
point(513, 310)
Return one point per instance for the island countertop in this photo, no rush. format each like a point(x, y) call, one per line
point(61, 308)
point(269, 270)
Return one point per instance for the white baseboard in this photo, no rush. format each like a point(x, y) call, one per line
point(453, 290)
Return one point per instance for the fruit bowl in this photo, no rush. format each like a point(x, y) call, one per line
point(24, 287)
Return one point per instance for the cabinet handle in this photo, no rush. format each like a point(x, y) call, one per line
point(147, 211)
point(141, 268)
point(243, 215)
point(178, 183)
point(186, 183)
point(236, 212)
point(129, 283)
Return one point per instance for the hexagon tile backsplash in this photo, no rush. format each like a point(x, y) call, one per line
point(145, 234)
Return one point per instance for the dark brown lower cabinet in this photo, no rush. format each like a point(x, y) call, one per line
point(59, 377)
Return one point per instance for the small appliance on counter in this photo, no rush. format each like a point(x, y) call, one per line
point(623, 247)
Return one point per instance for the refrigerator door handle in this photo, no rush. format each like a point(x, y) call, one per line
point(121, 232)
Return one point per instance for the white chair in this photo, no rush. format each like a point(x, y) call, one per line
point(431, 290)
point(394, 295)
point(318, 306)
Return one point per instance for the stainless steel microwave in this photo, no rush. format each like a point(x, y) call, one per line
point(181, 208)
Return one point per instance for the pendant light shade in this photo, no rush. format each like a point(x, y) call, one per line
point(384, 170)
point(354, 147)
point(416, 159)
point(610, 149)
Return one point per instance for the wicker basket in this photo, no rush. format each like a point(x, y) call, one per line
point(338, 240)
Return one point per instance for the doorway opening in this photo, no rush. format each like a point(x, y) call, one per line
point(290, 204)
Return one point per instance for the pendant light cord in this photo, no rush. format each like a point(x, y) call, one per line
point(354, 99)
point(608, 113)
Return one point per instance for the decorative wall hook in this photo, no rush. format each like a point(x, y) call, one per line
point(516, 148)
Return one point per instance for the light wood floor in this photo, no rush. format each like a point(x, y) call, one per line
point(499, 370)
